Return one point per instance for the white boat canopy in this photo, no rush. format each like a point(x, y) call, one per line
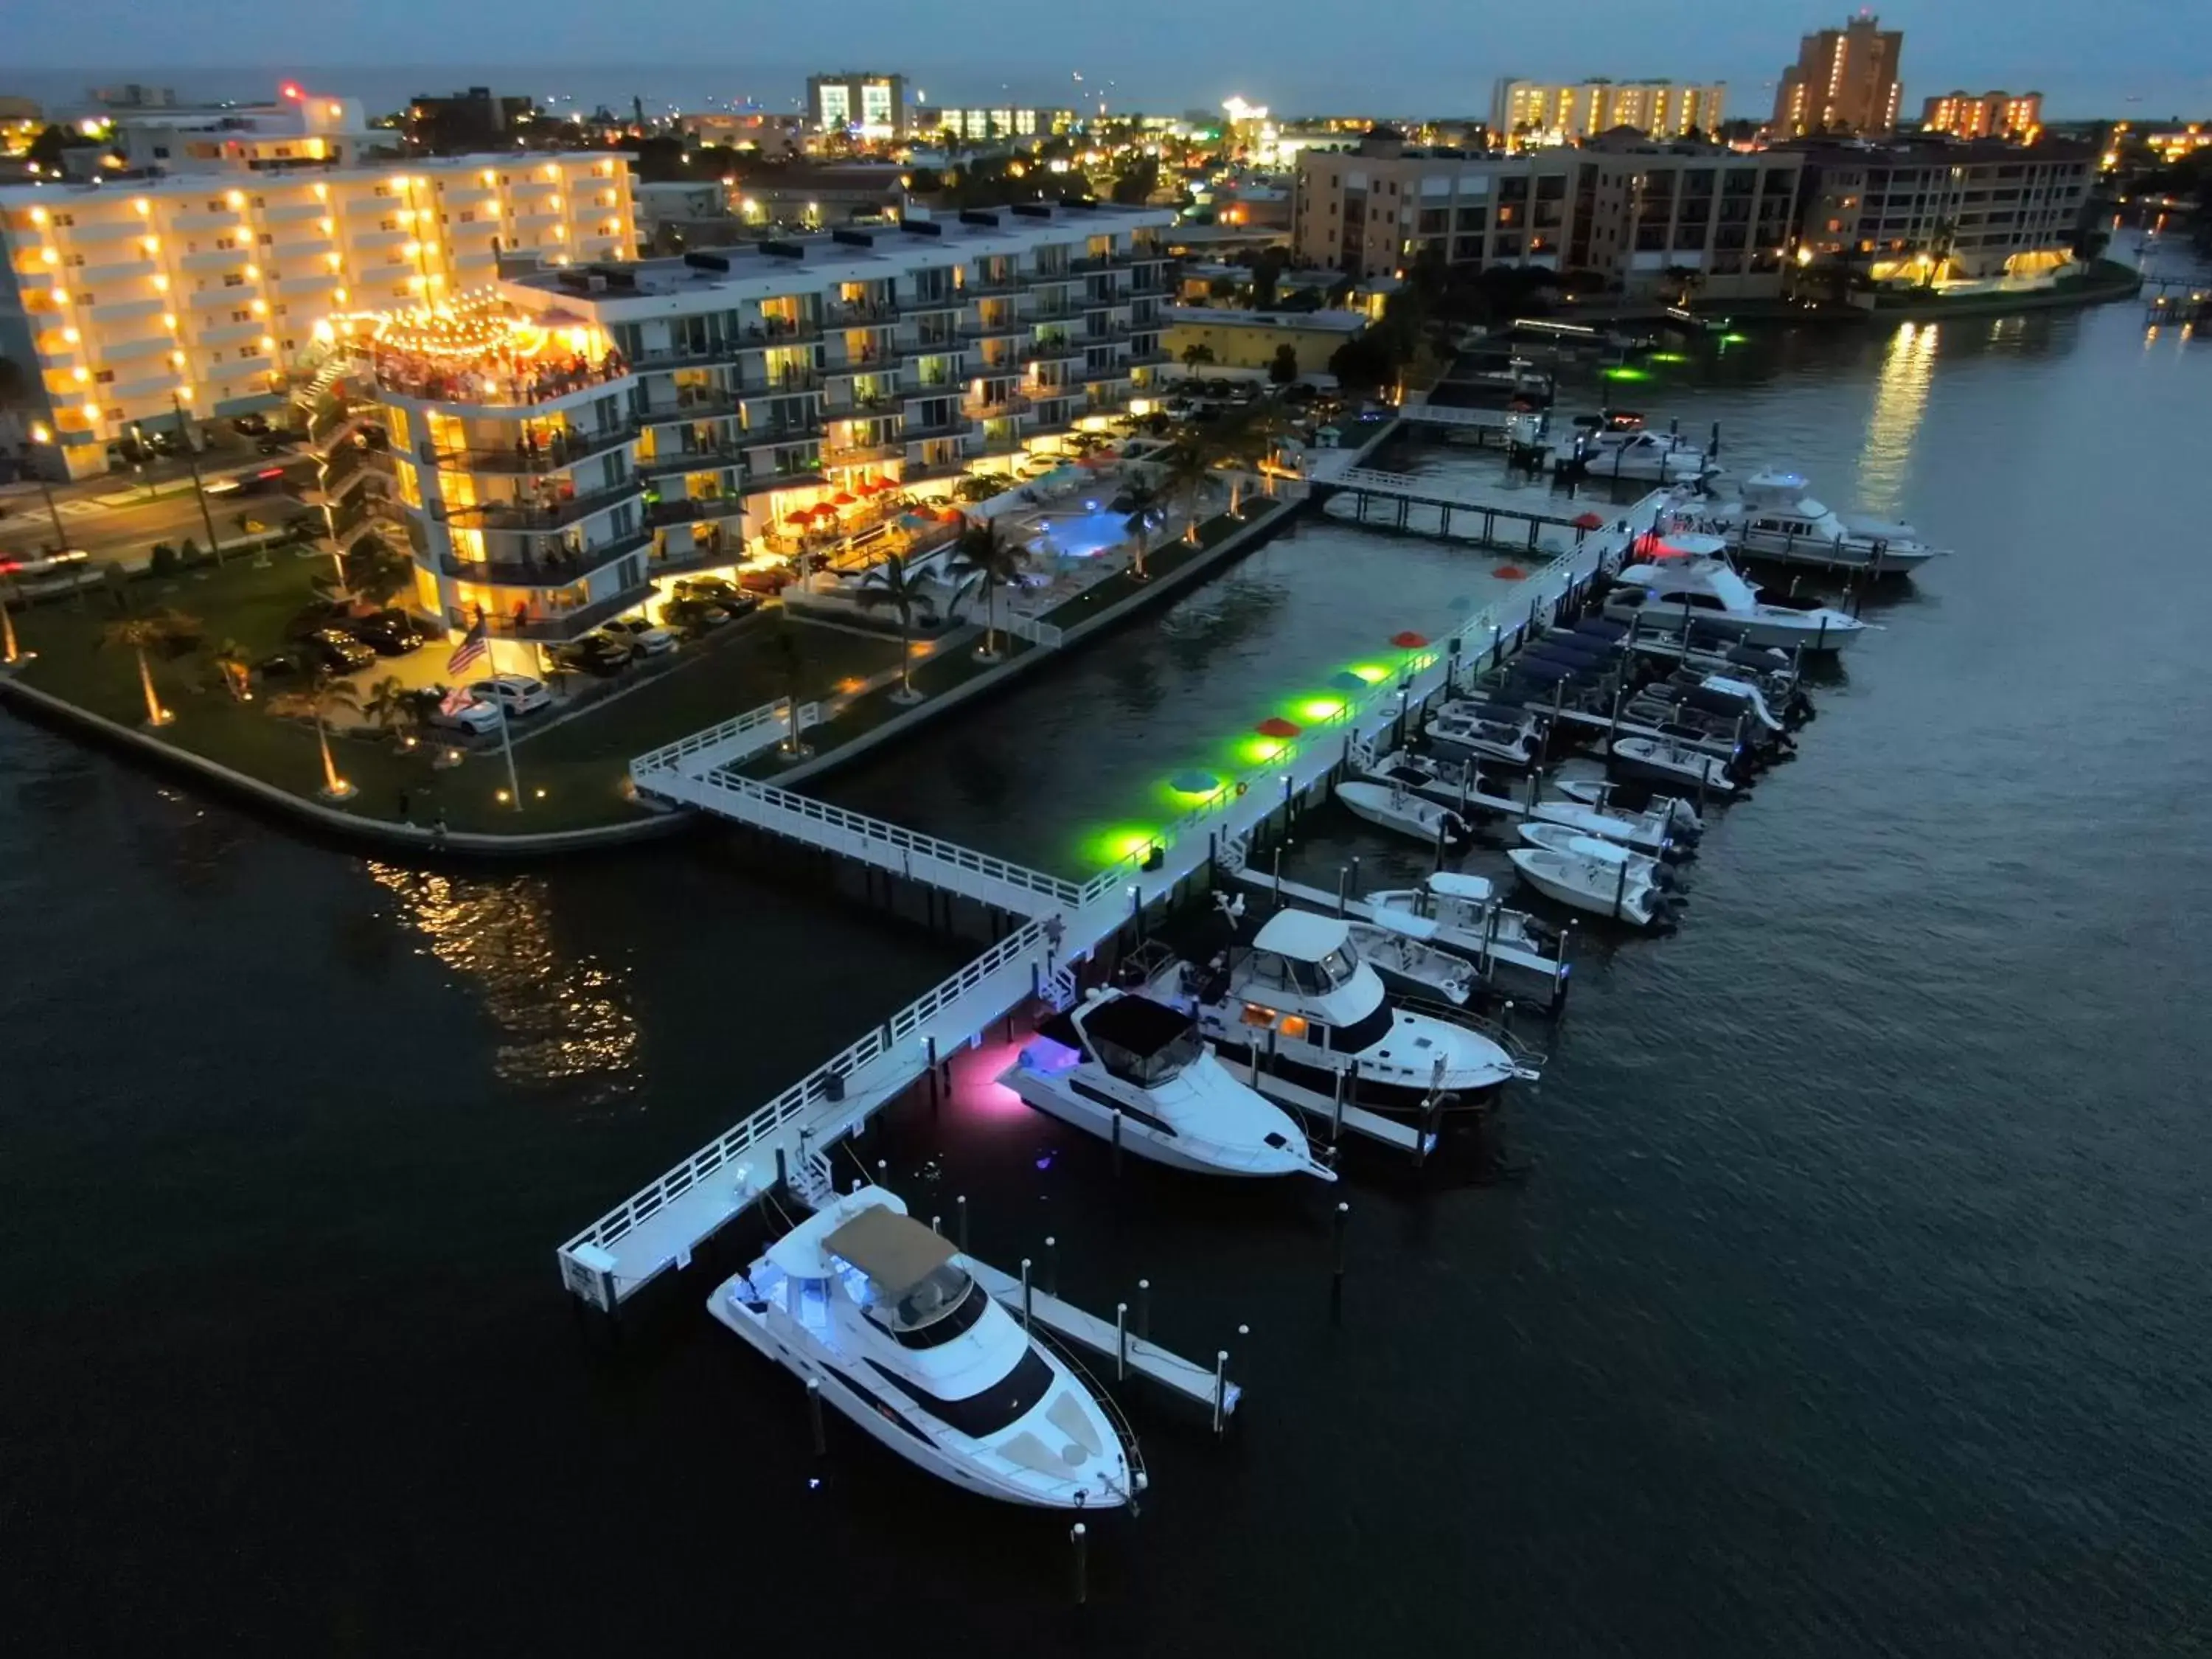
point(895, 1251)
point(1450, 883)
point(1405, 922)
point(1302, 936)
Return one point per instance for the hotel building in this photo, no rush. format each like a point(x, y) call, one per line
point(134, 299)
point(1626, 209)
point(1945, 213)
point(1844, 80)
point(870, 107)
point(554, 446)
point(1984, 115)
point(1530, 113)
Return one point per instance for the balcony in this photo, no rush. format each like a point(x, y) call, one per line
point(560, 625)
point(779, 433)
point(1052, 351)
point(518, 515)
point(776, 331)
point(1090, 262)
point(560, 568)
point(709, 458)
point(977, 409)
point(861, 409)
point(699, 406)
point(859, 314)
point(562, 451)
point(692, 509)
point(789, 380)
point(935, 345)
point(684, 356)
point(984, 287)
point(861, 454)
point(950, 426)
point(493, 382)
point(951, 300)
point(1156, 355)
point(975, 329)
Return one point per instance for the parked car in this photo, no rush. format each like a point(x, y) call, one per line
point(641, 636)
point(471, 714)
point(521, 694)
point(688, 615)
point(341, 654)
point(279, 443)
point(261, 483)
point(251, 425)
point(713, 591)
point(768, 579)
point(594, 653)
point(316, 615)
point(390, 633)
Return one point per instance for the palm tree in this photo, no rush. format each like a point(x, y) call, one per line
point(986, 555)
point(1189, 466)
point(892, 584)
point(391, 707)
point(162, 627)
point(1193, 355)
point(314, 701)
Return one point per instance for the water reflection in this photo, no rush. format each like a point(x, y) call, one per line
point(563, 1018)
point(1901, 399)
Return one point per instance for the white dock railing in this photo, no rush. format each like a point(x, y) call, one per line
point(734, 739)
point(659, 1225)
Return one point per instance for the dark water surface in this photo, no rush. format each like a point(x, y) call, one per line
point(1855, 1302)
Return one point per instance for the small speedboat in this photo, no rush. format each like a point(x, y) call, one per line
point(1648, 832)
point(1674, 762)
point(1402, 948)
point(1595, 876)
point(1467, 915)
point(1479, 732)
point(885, 1315)
point(1559, 838)
point(1682, 821)
point(1122, 1053)
point(1459, 785)
point(1396, 808)
point(1684, 585)
point(1620, 445)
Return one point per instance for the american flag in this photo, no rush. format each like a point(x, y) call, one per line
point(470, 650)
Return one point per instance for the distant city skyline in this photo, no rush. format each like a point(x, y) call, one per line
point(1155, 55)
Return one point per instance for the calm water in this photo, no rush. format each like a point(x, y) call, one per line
point(1854, 1301)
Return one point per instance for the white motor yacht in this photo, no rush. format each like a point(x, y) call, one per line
point(1467, 915)
point(1595, 876)
point(1302, 995)
point(1674, 762)
point(1776, 519)
point(1622, 446)
point(1686, 581)
point(1122, 1053)
point(1395, 807)
point(880, 1311)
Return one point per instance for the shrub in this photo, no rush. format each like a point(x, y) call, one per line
point(164, 560)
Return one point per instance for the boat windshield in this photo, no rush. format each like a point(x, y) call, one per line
point(1145, 1069)
point(924, 1303)
point(1334, 969)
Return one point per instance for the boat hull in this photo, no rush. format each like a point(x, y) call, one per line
point(1635, 906)
point(1094, 1119)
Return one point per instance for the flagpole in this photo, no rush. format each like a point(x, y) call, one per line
point(506, 734)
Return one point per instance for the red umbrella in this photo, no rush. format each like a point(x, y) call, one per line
point(1588, 522)
point(843, 498)
point(1276, 726)
point(805, 515)
point(1509, 572)
point(1409, 639)
point(951, 515)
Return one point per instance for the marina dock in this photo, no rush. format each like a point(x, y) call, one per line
point(1064, 923)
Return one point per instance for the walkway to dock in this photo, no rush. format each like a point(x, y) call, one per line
point(1064, 922)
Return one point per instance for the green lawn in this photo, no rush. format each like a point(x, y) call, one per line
point(580, 764)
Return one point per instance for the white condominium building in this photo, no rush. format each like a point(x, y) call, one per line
point(561, 442)
point(132, 299)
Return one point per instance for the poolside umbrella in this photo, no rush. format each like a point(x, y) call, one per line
point(951, 515)
point(1588, 522)
point(1409, 639)
point(805, 515)
point(843, 498)
point(1276, 726)
point(1347, 681)
point(1194, 783)
point(1509, 572)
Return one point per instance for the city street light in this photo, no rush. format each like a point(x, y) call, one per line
point(43, 433)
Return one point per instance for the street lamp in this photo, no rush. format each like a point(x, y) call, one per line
point(42, 433)
point(199, 489)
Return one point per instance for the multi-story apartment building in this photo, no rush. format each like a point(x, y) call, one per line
point(867, 106)
point(559, 443)
point(1526, 113)
point(1626, 209)
point(981, 126)
point(1984, 115)
point(1844, 80)
point(139, 299)
point(1945, 212)
point(299, 127)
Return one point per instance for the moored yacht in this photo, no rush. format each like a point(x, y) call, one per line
point(881, 1312)
point(1121, 1053)
point(1470, 731)
point(1685, 582)
point(1776, 519)
point(1395, 807)
point(1682, 820)
point(1664, 760)
point(1467, 915)
point(1302, 995)
point(1649, 832)
point(1620, 445)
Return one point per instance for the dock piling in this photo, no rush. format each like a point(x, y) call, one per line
point(960, 1209)
point(1117, 1143)
point(814, 1416)
point(1220, 1388)
point(1051, 1265)
point(1143, 1309)
point(935, 1088)
point(1336, 1276)
point(1121, 1341)
point(1336, 1110)
point(1080, 1538)
point(1025, 1293)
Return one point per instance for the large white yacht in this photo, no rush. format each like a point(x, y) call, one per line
point(1122, 1053)
point(1620, 445)
point(1686, 581)
point(878, 1310)
point(1302, 994)
point(1774, 518)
